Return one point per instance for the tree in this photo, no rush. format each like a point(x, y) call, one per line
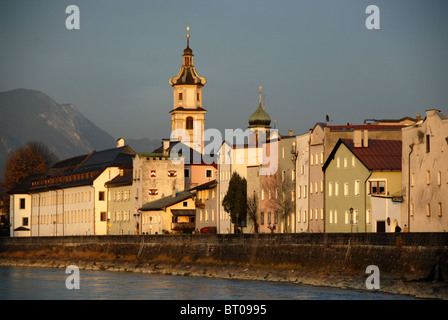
point(34, 157)
point(280, 192)
point(235, 200)
point(252, 208)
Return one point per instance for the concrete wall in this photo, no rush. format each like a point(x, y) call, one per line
point(408, 255)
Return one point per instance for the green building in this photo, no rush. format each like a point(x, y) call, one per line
point(356, 172)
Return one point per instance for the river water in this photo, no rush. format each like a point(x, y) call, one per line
point(31, 283)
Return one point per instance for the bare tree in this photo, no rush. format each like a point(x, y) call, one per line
point(280, 192)
point(252, 207)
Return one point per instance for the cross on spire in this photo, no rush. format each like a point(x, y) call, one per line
point(260, 87)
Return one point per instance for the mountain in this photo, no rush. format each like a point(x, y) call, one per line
point(32, 115)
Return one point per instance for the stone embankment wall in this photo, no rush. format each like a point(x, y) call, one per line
point(406, 255)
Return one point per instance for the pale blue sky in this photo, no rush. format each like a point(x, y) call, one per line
point(313, 58)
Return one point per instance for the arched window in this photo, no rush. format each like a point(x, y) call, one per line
point(189, 123)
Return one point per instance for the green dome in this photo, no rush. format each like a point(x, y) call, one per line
point(259, 118)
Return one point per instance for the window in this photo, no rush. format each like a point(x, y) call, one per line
point(440, 209)
point(101, 196)
point(180, 96)
point(369, 216)
point(262, 218)
point(428, 177)
point(208, 173)
point(428, 209)
point(412, 210)
point(356, 187)
point(347, 217)
point(187, 173)
point(189, 123)
point(353, 161)
point(24, 221)
point(330, 189)
point(22, 203)
point(293, 175)
point(312, 160)
point(336, 188)
point(185, 204)
point(346, 189)
point(198, 97)
point(299, 213)
point(439, 178)
point(345, 162)
point(338, 162)
point(377, 187)
point(428, 143)
point(331, 216)
point(103, 216)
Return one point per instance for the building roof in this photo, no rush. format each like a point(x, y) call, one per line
point(379, 155)
point(205, 186)
point(76, 171)
point(124, 179)
point(163, 203)
point(259, 118)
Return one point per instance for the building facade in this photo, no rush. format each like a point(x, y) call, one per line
point(425, 174)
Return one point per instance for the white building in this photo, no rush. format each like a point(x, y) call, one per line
point(70, 198)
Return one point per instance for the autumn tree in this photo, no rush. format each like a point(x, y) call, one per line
point(235, 200)
point(34, 157)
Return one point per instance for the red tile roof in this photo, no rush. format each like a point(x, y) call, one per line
point(379, 155)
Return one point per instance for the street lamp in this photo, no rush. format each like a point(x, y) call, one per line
point(351, 219)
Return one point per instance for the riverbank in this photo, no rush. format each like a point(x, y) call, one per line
point(345, 279)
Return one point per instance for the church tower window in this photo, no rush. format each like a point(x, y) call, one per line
point(189, 123)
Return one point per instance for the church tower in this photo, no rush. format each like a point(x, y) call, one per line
point(188, 116)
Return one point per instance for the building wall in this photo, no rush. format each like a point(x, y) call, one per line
point(161, 221)
point(425, 174)
point(287, 175)
point(206, 214)
point(101, 201)
point(316, 187)
point(341, 174)
point(20, 214)
point(121, 210)
point(302, 176)
point(145, 166)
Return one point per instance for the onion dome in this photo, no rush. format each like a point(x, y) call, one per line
point(259, 118)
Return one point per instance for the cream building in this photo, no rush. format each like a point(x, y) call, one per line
point(302, 181)
point(425, 174)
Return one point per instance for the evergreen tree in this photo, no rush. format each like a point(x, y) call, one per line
point(235, 200)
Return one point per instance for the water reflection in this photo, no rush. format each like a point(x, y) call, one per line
point(41, 283)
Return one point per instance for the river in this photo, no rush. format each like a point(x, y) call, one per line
point(32, 283)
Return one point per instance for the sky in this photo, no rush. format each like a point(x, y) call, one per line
point(313, 58)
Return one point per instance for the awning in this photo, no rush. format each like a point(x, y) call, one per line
point(183, 212)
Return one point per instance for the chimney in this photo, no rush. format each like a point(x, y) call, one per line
point(290, 133)
point(174, 191)
point(365, 140)
point(166, 147)
point(418, 117)
point(357, 138)
point(120, 142)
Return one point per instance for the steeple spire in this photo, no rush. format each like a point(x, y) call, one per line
point(188, 36)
